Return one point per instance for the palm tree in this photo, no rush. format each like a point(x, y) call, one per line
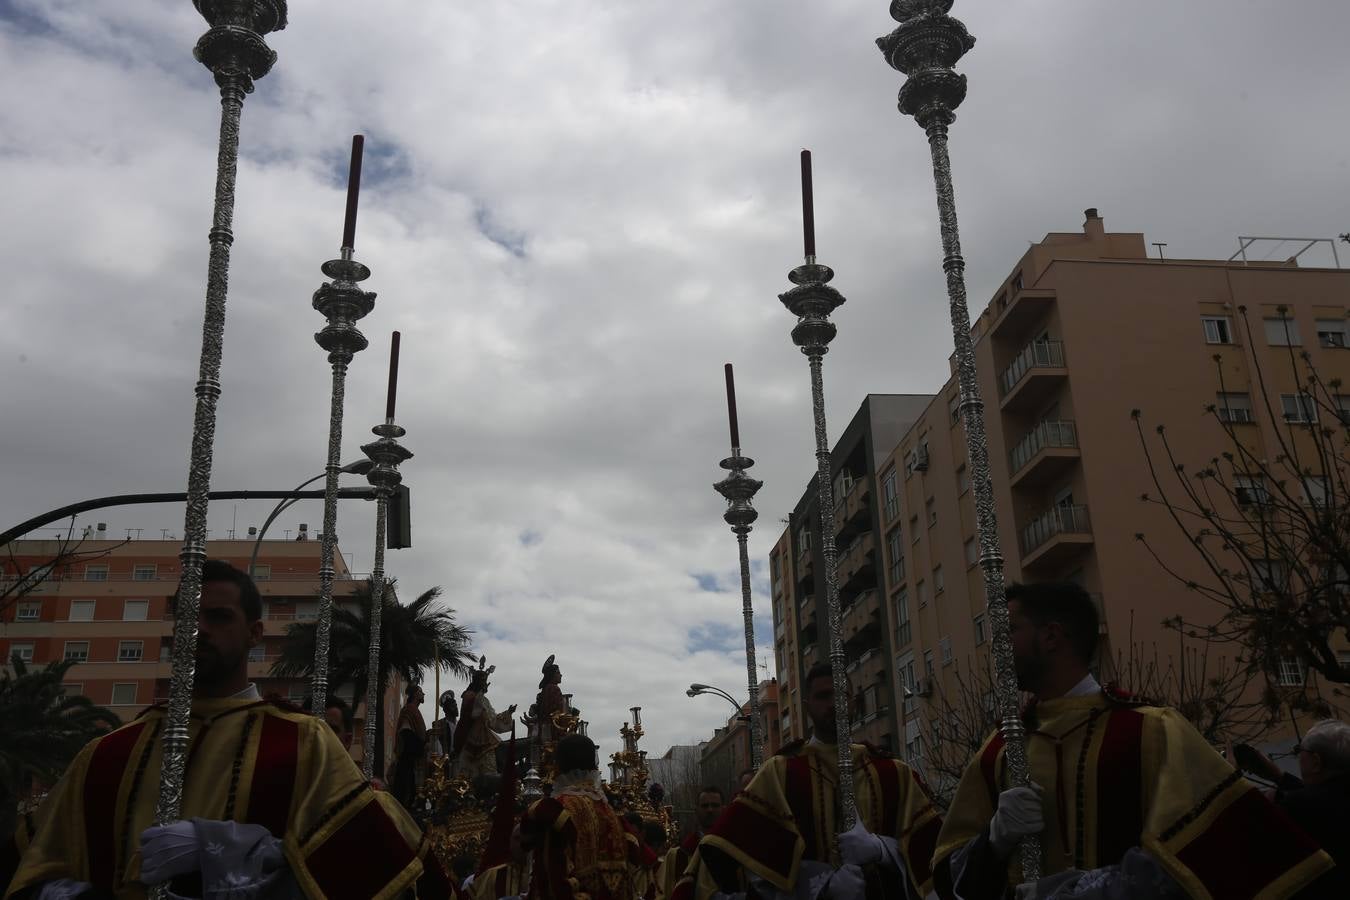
point(412, 638)
point(44, 729)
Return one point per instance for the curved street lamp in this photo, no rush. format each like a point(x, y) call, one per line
point(696, 690)
point(357, 467)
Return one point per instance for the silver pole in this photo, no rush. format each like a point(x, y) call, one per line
point(386, 453)
point(812, 301)
point(739, 489)
point(925, 47)
point(234, 50)
point(343, 304)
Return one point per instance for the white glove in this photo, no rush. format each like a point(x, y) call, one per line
point(1018, 815)
point(847, 883)
point(168, 851)
point(860, 847)
point(62, 889)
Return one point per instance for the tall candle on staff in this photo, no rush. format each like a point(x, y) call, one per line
point(731, 412)
point(393, 379)
point(808, 211)
point(353, 193)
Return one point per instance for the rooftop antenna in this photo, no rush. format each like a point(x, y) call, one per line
point(1160, 245)
point(164, 534)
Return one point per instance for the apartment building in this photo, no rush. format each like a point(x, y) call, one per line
point(797, 574)
point(726, 754)
point(1085, 328)
point(107, 605)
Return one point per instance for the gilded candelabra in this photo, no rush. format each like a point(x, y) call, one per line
point(925, 47)
point(234, 50)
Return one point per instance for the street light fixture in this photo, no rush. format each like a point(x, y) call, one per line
point(696, 690)
point(356, 467)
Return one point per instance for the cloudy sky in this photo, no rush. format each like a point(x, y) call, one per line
point(576, 212)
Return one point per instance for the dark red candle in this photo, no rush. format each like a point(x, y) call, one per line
point(393, 378)
point(353, 192)
point(731, 409)
point(808, 207)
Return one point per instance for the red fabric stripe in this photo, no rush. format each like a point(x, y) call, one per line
point(759, 836)
point(922, 844)
point(102, 781)
point(989, 766)
point(798, 791)
point(269, 799)
point(1120, 787)
point(1254, 832)
point(361, 857)
point(889, 779)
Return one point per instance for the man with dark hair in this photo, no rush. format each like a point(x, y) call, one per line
point(583, 848)
point(1128, 799)
point(777, 838)
point(271, 799)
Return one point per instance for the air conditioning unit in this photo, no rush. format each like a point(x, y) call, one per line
point(917, 461)
point(925, 688)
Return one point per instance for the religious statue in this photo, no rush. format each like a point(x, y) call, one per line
point(476, 738)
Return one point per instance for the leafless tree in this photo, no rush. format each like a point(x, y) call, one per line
point(15, 583)
point(1271, 533)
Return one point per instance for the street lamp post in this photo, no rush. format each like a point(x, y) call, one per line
point(739, 489)
point(698, 690)
point(234, 50)
point(356, 467)
point(924, 48)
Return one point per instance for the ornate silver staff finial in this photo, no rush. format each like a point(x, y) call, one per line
point(234, 50)
point(387, 454)
point(925, 47)
point(739, 489)
point(343, 304)
point(812, 301)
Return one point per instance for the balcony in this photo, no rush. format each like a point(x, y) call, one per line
point(851, 514)
point(862, 611)
point(1055, 536)
point(1026, 309)
point(1044, 453)
point(857, 564)
point(1033, 375)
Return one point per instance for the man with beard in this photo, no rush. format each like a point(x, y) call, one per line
point(777, 838)
point(476, 738)
point(1128, 799)
point(272, 804)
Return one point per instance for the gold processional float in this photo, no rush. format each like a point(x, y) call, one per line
point(457, 814)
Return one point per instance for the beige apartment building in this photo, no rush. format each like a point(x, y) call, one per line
point(106, 604)
point(1085, 328)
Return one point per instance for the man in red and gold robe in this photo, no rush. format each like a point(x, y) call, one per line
point(582, 849)
point(1130, 799)
point(260, 773)
point(778, 837)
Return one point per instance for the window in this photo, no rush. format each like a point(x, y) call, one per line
point(262, 573)
point(73, 689)
point(921, 591)
point(775, 570)
point(144, 572)
point(77, 650)
point(124, 694)
point(914, 749)
point(1282, 331)
point(1233, 408)
point(1269, 574)
point(1291, 672)
point(1331, 333)
point(95, 573)
point(1218, 329)
point(1343, 408)
point(939, 582)
point(257, 653)
point(306, 612)
point(981, 635)
point(28, 611)
point(930, 670)
point(82, 610)
point(945, 648)
point(903, 633)
point(1300, 407)
point(135, 610)
point(1315, 489)
point(296, 692)
point(913, 529)
point(1250, 490)
point(1017, 282)
point(931, 509)
point(972, 552)
point(962, 479)
point(889, 494)
point(803, 540)
point(909, 685)
point(22, 651)
point(129, 651)
point(843, 483)
point(165, 649)
point(895, 546)
point(954, 407)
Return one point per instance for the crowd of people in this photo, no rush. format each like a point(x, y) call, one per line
point(1126, 798)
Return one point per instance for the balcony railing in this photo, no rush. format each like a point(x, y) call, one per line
point(1047, 433)
point(1055, 521)
point(1036, 355)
